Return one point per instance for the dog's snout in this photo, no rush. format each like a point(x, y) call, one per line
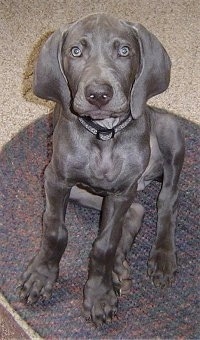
point(98, 94)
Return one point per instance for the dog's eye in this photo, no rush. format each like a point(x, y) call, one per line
point(76, 52)
point(124, 51)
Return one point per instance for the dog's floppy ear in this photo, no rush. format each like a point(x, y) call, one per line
point(50, 81)
point(154, 74)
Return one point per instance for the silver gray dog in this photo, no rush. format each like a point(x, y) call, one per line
point(101, 71)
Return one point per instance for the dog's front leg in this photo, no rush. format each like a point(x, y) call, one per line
point(43, 270)
point(100, 300)
point(162, 262)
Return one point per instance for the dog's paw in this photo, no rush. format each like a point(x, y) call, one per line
point(121, 277)
point(37, 281)
point(162, 267)
point(100, 304)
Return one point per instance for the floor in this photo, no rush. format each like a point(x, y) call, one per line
point(24, 24)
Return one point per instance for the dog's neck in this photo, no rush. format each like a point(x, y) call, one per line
point(105, 129)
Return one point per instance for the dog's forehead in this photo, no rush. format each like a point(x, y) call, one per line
point(99, 25)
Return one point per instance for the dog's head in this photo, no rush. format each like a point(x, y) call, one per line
point(102, 67)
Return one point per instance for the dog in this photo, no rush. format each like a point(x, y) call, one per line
point(108, 142)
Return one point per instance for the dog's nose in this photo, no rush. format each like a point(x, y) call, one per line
point(98, 94)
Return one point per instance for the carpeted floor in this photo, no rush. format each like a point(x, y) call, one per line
point(146, 312)
point(24, 22)
point(24, 137)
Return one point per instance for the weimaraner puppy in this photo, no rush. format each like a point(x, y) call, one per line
point(101, 71)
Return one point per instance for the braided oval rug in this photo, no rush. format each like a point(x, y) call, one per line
point(147, 312)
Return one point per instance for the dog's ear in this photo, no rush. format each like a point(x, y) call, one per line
point(50, 81)
point(154, 74)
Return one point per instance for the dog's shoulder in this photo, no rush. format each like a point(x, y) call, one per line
point(166, 127)
point(164, 120)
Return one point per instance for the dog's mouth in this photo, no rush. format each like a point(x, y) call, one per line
point(100, 115)
point(95, 113)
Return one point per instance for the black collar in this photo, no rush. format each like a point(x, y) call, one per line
point(99, 131)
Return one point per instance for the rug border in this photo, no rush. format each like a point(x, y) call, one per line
point(17, 318)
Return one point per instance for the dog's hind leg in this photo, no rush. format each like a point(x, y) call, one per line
point(121, 270)
point(85, 198)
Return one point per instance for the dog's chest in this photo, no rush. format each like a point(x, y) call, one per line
point(105, 165)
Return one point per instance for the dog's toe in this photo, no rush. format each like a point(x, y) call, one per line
point(37, 282)
point(162, 267)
